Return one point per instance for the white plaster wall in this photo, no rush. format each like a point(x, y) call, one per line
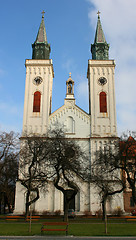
point(95, 204)
point(102, 124)
point(19, 199)
point(95, 201)
point(35, 122)
point(81, 120)
point(117, 201)
point(51, 200)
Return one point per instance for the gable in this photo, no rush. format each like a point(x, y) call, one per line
point(74, 119)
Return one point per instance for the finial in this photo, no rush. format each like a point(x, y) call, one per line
point(98, 14)
point(70, 74)
point(43, 14)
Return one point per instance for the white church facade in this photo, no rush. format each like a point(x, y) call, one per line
point(91, 130)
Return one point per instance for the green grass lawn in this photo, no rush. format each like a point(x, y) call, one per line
point(76, 229)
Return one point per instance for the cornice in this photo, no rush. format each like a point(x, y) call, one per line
point(101, 63)
point(39, 63)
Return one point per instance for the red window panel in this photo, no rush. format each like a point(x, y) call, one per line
point(37, 102)
point(103, 102)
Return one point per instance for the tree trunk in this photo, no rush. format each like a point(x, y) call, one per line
point(27, 205)
point(103, 210)
point(104, 213)
point(30, 222)
point(8, 203)
point(4, 203)
point(66, 207)
point(29, 202)
point(0, 204)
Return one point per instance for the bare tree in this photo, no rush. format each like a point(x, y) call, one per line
point(105, 176)
point(52, 158)
point(126, 160)
point(33, 167)
point(69, 163)
point(9, 152)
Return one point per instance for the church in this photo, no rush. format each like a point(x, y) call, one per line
point(91, 130)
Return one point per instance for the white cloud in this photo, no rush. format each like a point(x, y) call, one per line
point(118, 19)
point(127, 116)
point(126, 87)
point(82, 87)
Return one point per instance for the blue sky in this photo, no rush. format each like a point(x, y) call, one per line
point(70, 27)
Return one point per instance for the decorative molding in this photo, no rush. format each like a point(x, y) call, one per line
point(39, 70)
point(71, 109)
point(103, 71)
point(30, 70)
point(98, 71)
point(49, 70)
point(108, 70)
point(44, 70)
point(40, 63)
point(93, 70)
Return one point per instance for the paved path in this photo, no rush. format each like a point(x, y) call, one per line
point(65, 238)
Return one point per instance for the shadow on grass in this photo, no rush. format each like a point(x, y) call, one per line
point(75, 229)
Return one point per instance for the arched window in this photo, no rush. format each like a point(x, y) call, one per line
point(103, 102)
point(70, 125)
point(37, 102)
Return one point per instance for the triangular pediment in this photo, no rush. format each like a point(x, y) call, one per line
point(69, 109)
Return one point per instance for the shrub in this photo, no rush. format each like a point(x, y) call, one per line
point(57, 212)
point(117, 211)
point(34, 212)
point(45, 213)
point(87, 213)
point(98, 213)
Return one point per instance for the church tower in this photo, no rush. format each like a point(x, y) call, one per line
point(102, 109)
point(100, 75)
point(38, 89)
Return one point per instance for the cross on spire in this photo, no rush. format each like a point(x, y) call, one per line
point(43, 13)
point(98, 13)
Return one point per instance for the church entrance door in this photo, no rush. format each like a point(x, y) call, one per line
point(72, 202)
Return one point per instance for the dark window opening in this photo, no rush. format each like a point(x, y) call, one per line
point(103, 102)
point(37, 102)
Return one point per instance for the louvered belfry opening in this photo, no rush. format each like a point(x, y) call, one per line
point(37, 102)
point(103, 102)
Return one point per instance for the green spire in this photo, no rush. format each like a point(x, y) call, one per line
point(41, 49)
point(100, 48)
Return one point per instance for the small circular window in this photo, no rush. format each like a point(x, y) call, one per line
point(37, 81)
point(102, 81)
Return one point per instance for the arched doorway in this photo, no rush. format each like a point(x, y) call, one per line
point(72, 202)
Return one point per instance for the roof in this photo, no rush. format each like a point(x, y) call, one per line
point(99, 35)
point(41, 36)
point(100, 48)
